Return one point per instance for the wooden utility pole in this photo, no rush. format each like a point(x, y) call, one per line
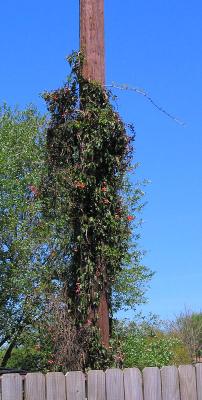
point(92, 39)
point(92, 46)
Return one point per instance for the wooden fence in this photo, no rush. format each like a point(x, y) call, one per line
point(169, 383)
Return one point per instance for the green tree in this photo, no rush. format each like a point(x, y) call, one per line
point(21, 158)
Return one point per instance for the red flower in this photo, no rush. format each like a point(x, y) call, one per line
point(104, 189)
point(50, 362)
point(34, 190)
point(80, 185)
point(130, 218)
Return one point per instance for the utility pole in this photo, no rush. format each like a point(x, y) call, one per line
point(92, 39)
point(92, 46)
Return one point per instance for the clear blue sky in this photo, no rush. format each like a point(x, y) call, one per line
point(155, 45)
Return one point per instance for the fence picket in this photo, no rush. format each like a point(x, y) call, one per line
point(187, 382)
point(75, 385)
point(96, 385)
point(35, 386)
point(114, 384)
point(55, 386)
point(133, 384)
point(199, 380)
point(11, 386)
point(170, 383)
point(152, 383)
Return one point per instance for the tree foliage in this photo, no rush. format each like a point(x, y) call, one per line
point(21, 158)
point(147, 344)
point(188, 326)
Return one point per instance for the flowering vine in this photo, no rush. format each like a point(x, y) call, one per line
point(89, 152)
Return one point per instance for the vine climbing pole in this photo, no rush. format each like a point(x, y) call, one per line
point(92, 46)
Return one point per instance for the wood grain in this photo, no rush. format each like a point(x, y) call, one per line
point(133, 384)
point(170, 383)
point(55, 386)
point(35, 386)
point(187, 382)
point(199, 380)
point(75, 385)
point(11, 387)
point(96, 385)
point(92, 39)
point(114, 384)
point(152, 383)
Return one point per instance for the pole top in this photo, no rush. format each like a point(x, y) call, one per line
point(92, 39)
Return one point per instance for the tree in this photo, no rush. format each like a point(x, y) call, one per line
point(20, 167)
point(188, 326)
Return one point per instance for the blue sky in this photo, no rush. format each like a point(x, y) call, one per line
point(155, 45)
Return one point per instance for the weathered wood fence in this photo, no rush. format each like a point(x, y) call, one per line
point(169, 383)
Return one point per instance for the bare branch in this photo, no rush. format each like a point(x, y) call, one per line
point(142, 92)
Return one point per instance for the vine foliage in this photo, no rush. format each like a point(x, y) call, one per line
point(89, 152)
